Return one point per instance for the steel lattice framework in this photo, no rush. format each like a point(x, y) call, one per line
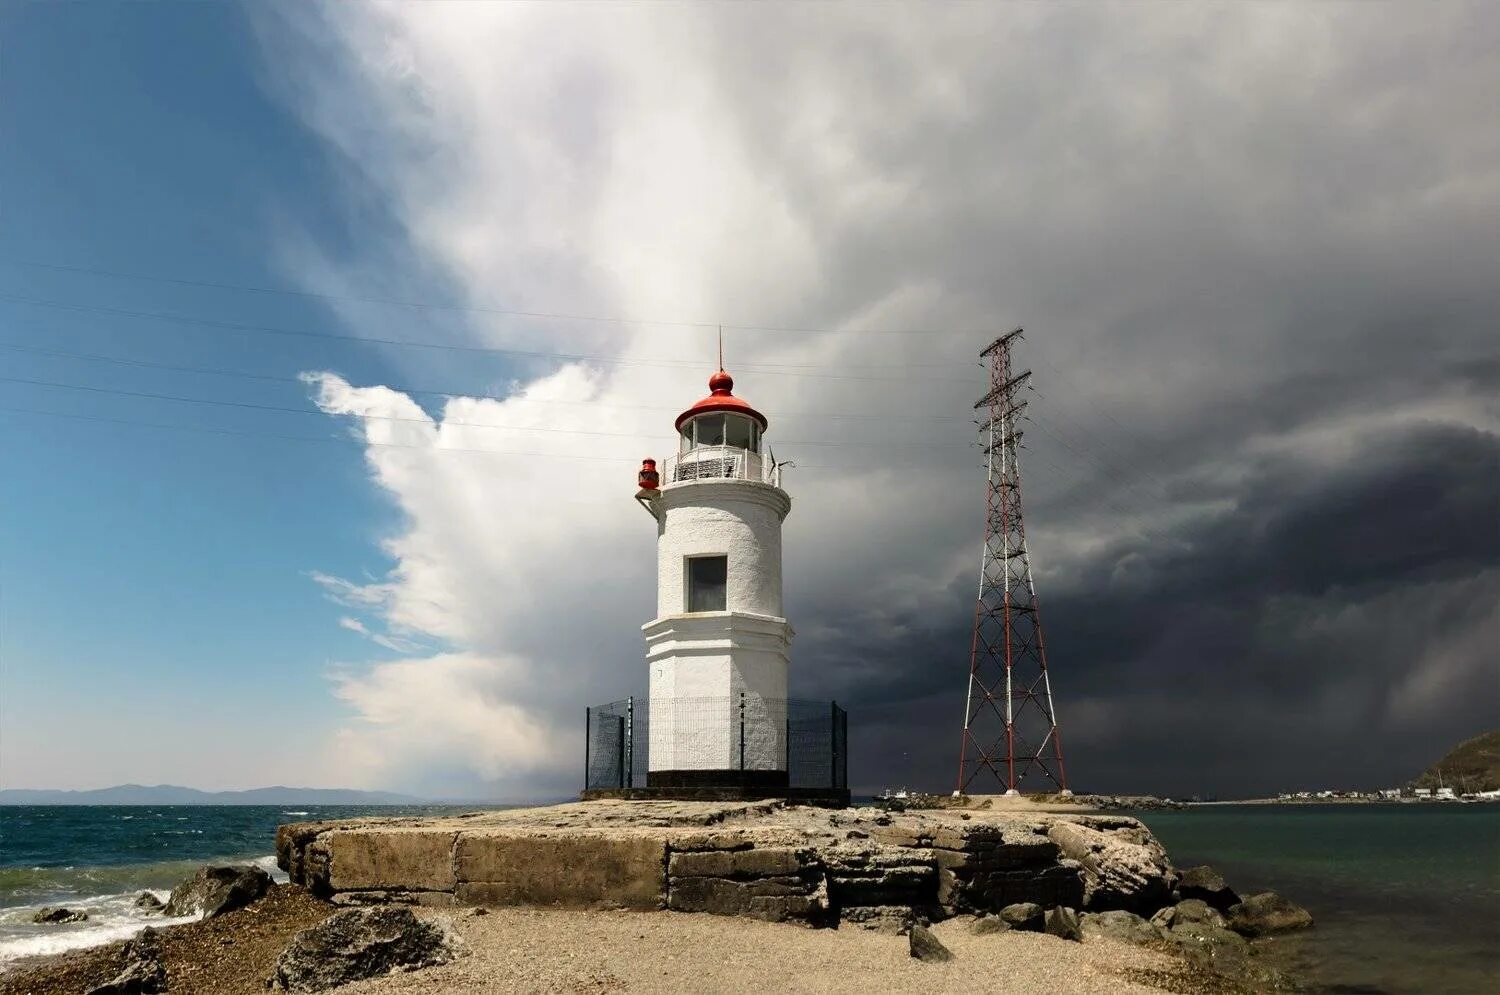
point(1010, 725)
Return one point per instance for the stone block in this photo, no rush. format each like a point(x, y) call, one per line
point(758, 862)
point(408, 860)
point(769, 900)
point(706, 840)
point(889, 919)
point(889, 886)
point(579, 870)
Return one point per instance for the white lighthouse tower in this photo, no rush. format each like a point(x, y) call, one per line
point(718, 648)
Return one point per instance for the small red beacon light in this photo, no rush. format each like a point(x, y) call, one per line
point(649, 479)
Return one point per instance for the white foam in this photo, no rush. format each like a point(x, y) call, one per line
point(111, 917)
point(109, 921)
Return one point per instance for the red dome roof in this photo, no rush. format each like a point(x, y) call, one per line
point(720, 399)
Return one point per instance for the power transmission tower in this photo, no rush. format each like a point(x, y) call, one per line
point(1010, 726)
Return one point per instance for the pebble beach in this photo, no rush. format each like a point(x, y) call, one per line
point(545, 950)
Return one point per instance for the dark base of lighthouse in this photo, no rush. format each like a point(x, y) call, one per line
point(723, 785)
point(756, 780)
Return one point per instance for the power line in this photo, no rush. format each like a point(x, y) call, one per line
point(471, 308)
point(427, 421)
point(437, 450)
point(768, 370)
point(435, 392)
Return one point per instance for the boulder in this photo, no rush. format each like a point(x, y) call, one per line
point(988, 924)
point(1124, 867)
point(1205, 883)
point(59, 915)
point(1117, 924)
point(1025, 916)
point(215, 890)
point(1197, 910)
point(143, 974)
point(148, 902)
point(1165, 918)
point(1062, 923)
point(355, 944)
point(925, 946)
point(1213, 947)
point(1266, 913)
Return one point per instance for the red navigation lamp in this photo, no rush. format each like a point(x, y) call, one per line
point(648, 479)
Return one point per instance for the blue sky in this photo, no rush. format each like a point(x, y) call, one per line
point(1220, 226)
point(155, 579)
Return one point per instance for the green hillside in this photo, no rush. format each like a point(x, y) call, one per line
point(1473, 765)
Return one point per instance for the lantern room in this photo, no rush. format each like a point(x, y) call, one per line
point(720, 436)
point(720, 419)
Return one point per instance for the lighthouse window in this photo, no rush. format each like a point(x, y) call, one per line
point(710, 430)
point(706, 578)
point(740, 433)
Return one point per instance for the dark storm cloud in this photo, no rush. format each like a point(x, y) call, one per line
point(1302, 609)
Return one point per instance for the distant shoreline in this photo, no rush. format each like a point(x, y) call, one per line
point(1344, 801)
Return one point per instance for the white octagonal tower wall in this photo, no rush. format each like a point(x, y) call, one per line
point(718, 678)
point(740, 519)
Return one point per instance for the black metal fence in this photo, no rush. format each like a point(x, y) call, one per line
point(807, 738)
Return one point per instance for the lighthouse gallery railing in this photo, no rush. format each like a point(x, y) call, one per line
point(721, 463)
point(618, 737)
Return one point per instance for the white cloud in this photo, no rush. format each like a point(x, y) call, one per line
point(438, 721)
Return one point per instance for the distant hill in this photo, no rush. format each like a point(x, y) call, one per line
point(171, 794)
point(1473, 765)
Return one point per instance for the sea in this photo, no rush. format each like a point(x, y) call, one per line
point(99, 858)
point(1406, 896)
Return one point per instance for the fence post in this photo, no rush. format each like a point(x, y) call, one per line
point(833, 743)
point(588, 715)
point(629, 740)
point(742, 730)
point(786, 752)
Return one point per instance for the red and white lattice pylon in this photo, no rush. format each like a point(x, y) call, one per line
point(1010, 724)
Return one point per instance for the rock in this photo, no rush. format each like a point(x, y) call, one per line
point(925, 946)
point(363, 943)
point(1124, 867)
point(1026, 916)
point(1207, 884)
point(59, 915)
point(1197, 910)
point(892, 920)
point(215, 890)
point(988, 924)
point(1213, 947)
point(1062, 923)
point(148, 902)
point(144, 972)
point(1165, 917)
point(1117, 924)
point(1266, 913)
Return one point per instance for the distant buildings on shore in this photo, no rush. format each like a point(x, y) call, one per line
point(1444, 794)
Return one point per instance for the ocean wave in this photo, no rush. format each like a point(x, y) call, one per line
point(34, 886)
point(111, 918)
point(107, 894)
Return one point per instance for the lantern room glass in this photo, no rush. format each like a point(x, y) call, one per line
point(721, 429)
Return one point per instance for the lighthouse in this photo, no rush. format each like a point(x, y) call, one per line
point(718, 650)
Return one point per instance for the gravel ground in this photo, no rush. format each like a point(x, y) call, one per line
point(542, 950)
point(550, 950)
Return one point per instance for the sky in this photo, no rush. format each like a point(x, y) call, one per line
point(331, 337)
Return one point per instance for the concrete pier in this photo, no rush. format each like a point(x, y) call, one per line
point(768, 860)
